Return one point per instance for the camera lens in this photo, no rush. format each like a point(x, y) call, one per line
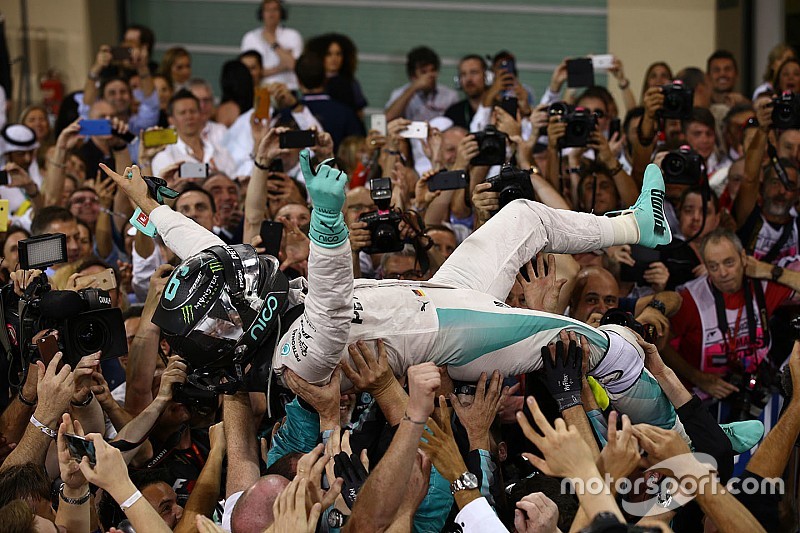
point(674, 165)
point(91, 336)
point(385, 237)
point(509, 194)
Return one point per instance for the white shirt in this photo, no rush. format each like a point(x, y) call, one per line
point(213, 132)
point(16, 196)
point(230, 503)
point(425, 106)
point(238, 139)
point(479, 517)
point(286, 38)
point(215, 155)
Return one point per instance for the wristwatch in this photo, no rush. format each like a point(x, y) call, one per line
point(466, 481)
point(777, 272)
point(658, 305)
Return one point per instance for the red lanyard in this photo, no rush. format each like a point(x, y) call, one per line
point(731, 343)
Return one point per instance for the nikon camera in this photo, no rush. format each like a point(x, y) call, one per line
point(384, 223)
point(678, 101)
point(786, 111)
point(512, 183)
point(683, 166)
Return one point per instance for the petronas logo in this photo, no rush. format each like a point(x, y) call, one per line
point(215, 266)
point(188, 313)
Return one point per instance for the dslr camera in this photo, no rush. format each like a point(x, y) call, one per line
point(683, 166)
point(383, 224)
point(624, 318)
point(580, 124)
point(512, 183)
point(85, 320)
point(678, 101)
point(491, 147)
point(786, 111)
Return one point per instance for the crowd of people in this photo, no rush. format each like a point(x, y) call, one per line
point(481, 310)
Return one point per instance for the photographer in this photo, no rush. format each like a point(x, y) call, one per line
point(422, 98)
point(745, 291)
point(472, 80)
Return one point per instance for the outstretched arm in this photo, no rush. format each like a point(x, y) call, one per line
point(324, 327)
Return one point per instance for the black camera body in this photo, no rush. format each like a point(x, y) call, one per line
point(786, 111)
point(85, 320)
point(683, 166)
point(624, 318)
point(384, 223)
point(491, 147)
point(512, 183)
point(580, 125)
point(678, 101)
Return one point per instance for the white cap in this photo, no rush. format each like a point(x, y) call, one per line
point(17, 138)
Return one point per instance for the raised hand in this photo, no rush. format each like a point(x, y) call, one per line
point(543, 290)
point(326, 186)
point(563, 371)
point(477, 417)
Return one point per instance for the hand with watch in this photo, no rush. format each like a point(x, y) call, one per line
point(441, 448)
point(74, 489)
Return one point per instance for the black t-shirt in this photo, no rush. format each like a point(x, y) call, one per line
point(183, 465)
point(460, 113)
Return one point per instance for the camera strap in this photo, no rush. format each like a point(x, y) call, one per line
point(775, 249)
point(749, 288)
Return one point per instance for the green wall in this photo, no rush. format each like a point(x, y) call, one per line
point(539, 32)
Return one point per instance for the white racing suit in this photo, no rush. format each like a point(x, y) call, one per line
point(458, 318)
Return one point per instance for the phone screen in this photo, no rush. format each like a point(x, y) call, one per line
point(271, 235)
point(298, 139)
point(80, 447)
point(580, 72)
point(3, 177)
point(95, 127)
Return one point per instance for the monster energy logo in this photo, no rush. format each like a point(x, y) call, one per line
point(188, 313)
point(215, 266)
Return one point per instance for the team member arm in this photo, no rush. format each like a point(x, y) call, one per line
point(240, 437)
point(204, 495)
point(748, 193)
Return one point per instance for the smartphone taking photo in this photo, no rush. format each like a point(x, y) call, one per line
point(298, 139)
point(193, 170)
point(271, 236)
point(80, 447)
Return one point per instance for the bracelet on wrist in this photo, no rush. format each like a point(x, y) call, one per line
point(24, 400)
point(44, 429)
point(56, 163)
point(74, 501)
point(408, 418)
point(84, 403)
point(92, 76)
point(574, 170)
point(127, 504)
point(262, 166)
point(390, 152)
point(614, 171)
point(624, 84)
point(640, 135)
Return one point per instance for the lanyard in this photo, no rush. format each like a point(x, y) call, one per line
point(722, 318)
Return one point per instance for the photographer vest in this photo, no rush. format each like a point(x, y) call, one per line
point(740, 334)
point(766, 243)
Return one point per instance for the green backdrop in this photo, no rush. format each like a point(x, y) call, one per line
point(540, 33)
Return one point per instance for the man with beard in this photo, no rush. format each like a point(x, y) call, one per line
point(471, 80)
point(768, 225)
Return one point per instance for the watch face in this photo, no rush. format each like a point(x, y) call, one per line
point(470, 480)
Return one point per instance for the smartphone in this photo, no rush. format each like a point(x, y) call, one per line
point(271, 235)
point(298, 139)
point(415, 130)
point(261, 104)
point(159, 137)
point(642, 257)
point(510, 104)
point(448, 180)
point(580, 72)
point(509, 66)
point(128, 136)
point(3, 215)
point(80, 447)
point(614, 127)
point(103, 280)
point(47, 347)
point(602, 61)
point(120, 53)
point(3, 177)
point(100, 126)
point(193, 170)
point(378, 123)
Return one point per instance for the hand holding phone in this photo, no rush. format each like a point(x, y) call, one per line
point(193, 170)
point(271, 236)
point(80, 447)
point(447, 180)
point(159, 137)
point(580, 72)
point(298, 139)
point(95, 127)
point(415, 130)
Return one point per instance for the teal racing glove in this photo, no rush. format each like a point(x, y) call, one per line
point(326, 188)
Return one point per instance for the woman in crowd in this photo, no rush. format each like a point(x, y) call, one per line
point(777, 56)
point(340, 56)
point(237, 92)
point(176, 67)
